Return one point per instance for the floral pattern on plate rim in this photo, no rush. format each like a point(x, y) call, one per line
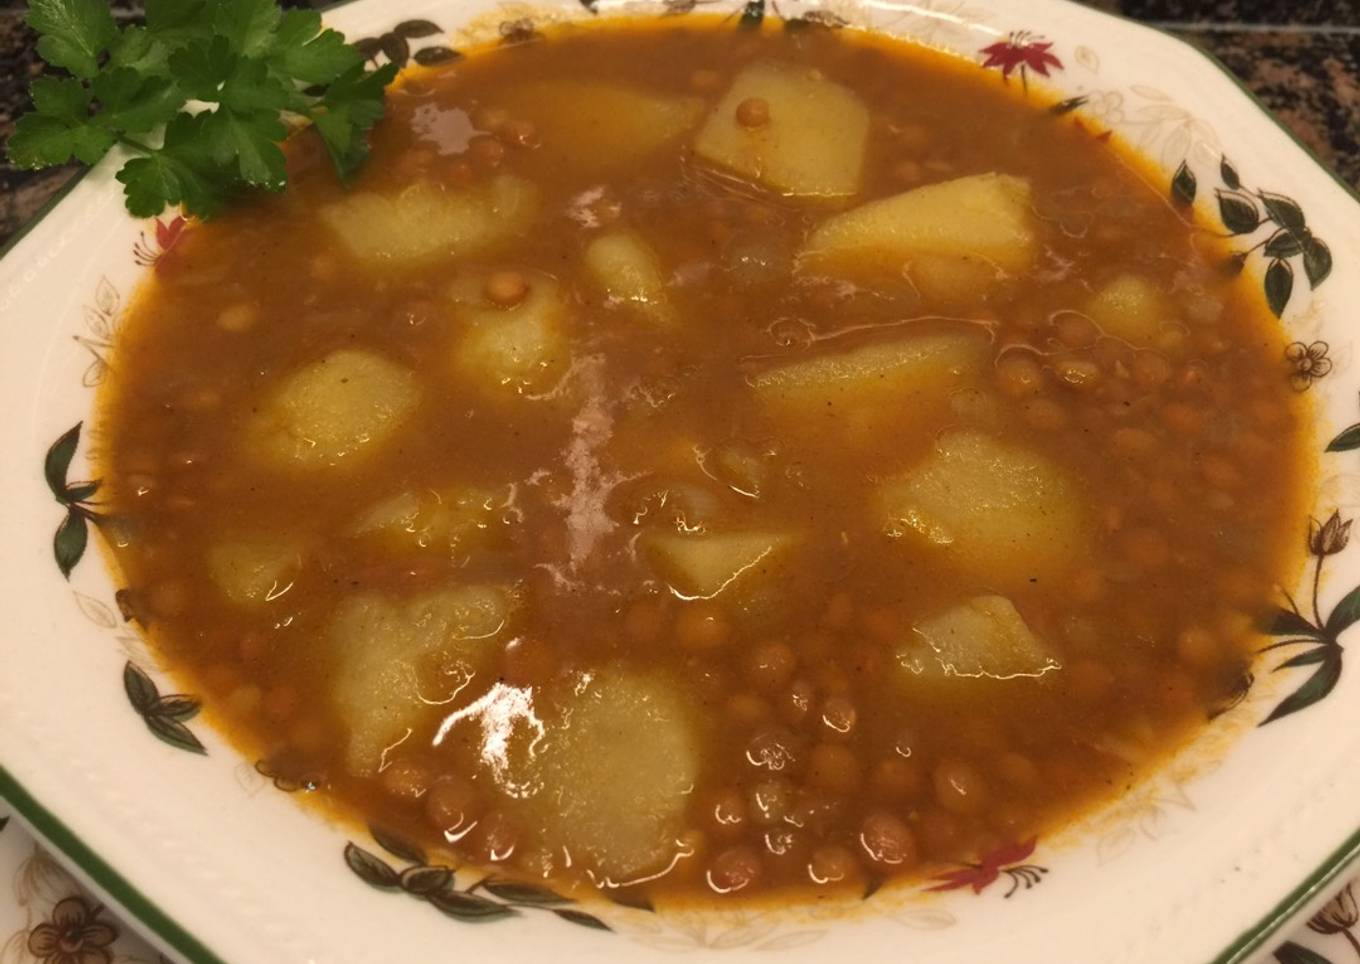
point(1244, 213)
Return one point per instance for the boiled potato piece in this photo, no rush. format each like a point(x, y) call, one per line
point(876, 378)
point(250, 572)
point(616, 771)
point(335, 410)
point(425, 220)
point(1130, 308)
point(701, 566)
point(394, 657)
point(949, 238)
point(452, 518)
point(626, 269)
point(813, 143)
point(997, 510)
point(515, 349)
point(596, 128)
point(982, 638)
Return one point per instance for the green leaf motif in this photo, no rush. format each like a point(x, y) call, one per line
point(423, 881)
point(141, 691)
point(72, 33)
point(1309, 658)
point(582, 919)
point(174, 733)
point(1228, 173)
point(176, 707)
point(1317, 261)
point(1183, 185)
point(70, 540)
point(1289, 623)
point(1317, 686)
point(57, 462)
point(1345, 614)
point(429, 56)
point(371, 869)
point(1068, 105)
point(1284, 212)
point(1279, 286)
point(470, 907)
point(521, 893)
point(79, 491)
point(1237, 212)
point(1346, 441)
point(1291, 953)
point(396, 845)
point(1283, 244)
point(415, 29)
point(163, 715)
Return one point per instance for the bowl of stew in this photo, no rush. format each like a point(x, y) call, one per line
point(822, 479)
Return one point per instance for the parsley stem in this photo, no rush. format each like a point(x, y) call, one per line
point(135, 144)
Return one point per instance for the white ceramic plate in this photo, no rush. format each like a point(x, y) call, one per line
point(1204, 862)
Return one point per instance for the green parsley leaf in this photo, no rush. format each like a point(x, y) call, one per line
point(254, 69)
point(181, 172)
point(63, 98)
point(350, 106)
point(201, 67)
point(133, 103)
point(248, 25)
point(138, 50)
point(166, 16)
point(249, 140)
point(42, 141)
point(72, 33)
point(321, 60)
point(252, 87)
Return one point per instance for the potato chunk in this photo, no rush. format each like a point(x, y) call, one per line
point(947, 237)
point(334, 410)
point(455, 519)
point(626, 269)
point(701, 566)
point(251, 572)
point(1130, 308)
point(811, 146)
point(510, 350)
point(859, 388)
point(616, 772)
point(394, 657)
point(426, 221)
point(997, 510)
point(598, 128)
point(982, 638)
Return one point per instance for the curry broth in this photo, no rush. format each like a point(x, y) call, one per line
point(816, 762)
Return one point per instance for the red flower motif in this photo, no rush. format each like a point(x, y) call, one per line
point(1008, 860)
point(1019, 51)
point(166, 236)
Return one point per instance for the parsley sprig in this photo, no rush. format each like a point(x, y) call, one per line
point(202, 95)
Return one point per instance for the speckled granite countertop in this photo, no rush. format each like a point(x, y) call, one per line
point(1301, 57)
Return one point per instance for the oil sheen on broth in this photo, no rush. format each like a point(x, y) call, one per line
point(695, 462)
